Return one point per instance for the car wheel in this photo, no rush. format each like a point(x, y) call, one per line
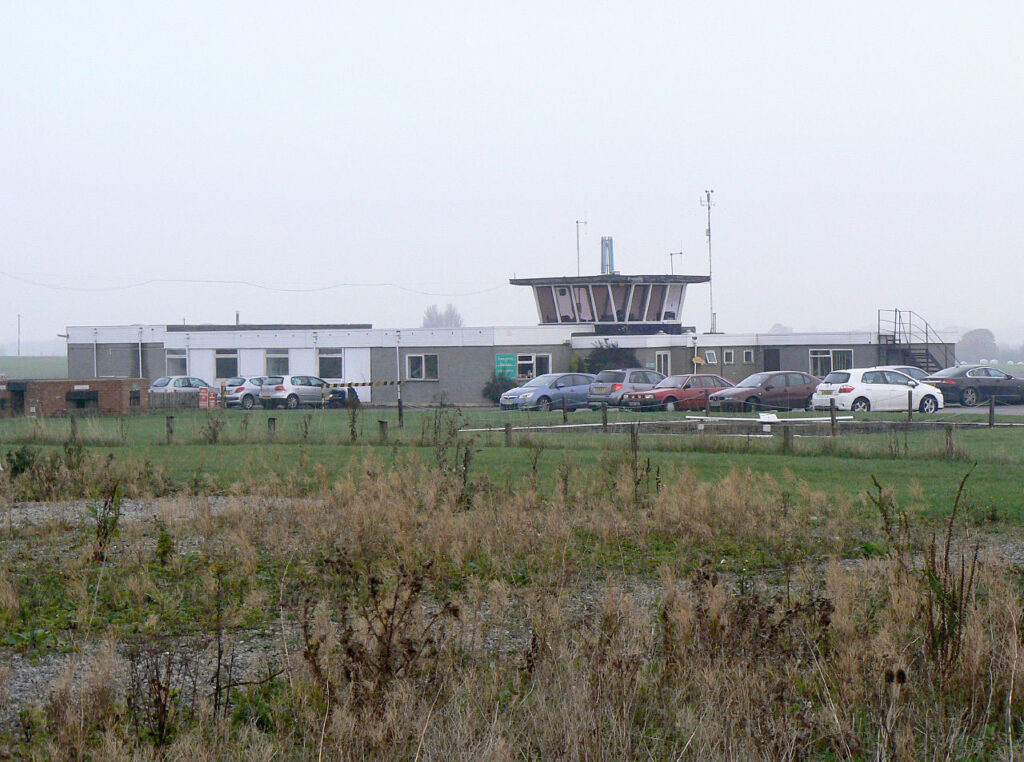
point(969, 397)
point(248, 402)
point(860, 405)
point(750, 404)
point(929, 404)
point(292, 403)
point(544, 404)
point(670, 404)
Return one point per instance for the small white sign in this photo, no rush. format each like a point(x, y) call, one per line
point(81, 387)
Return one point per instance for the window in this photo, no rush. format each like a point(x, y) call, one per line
point(330, 363)
point(673, 303)
point(728, 357)
point(177, 362)
point(584, 308)
point(548, 314)
point(824, 361)
point(655, 302)
point(277, 362)
point(603, 304)
point(710, 357)
point(531, 366)
point(748, 356)
point(639, 303)
point(225, 363)
point(563, 300)
point(421, 367)
point(663, 363)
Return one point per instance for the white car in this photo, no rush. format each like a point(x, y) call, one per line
point(863, 389)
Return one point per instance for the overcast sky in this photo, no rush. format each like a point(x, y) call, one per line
point(863, 156)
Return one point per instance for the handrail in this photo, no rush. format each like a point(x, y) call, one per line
point(907, 327)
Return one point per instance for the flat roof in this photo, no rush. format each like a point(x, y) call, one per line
point(610, 279)
point(269, 327)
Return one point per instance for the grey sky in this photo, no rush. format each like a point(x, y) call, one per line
point(863, 155)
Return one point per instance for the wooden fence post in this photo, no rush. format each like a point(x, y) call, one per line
point(401, 412)
point(508, 434)
point(73, 420)
point(604, 416)
point(910, 404)
point(832, 414)
point(787, 438)
point(565, 409)
point(992, 411)
point(170, 429)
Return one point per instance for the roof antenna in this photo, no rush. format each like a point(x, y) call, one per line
point(708, 203)
point(582, 222)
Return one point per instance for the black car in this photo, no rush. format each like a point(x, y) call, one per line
point(971, 384)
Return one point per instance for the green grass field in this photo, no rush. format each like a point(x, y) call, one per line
point(920, 466)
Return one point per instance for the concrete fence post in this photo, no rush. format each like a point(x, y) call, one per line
point(271, 428)
point(383, 429)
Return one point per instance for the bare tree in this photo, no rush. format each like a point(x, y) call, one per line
point(433, 317)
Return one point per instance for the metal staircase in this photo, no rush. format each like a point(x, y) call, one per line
point(906, 338)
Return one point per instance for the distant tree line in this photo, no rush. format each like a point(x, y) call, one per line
point(980, 344)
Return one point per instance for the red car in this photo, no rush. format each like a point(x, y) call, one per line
point(688, 392)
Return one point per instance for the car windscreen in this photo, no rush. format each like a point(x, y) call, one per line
point(837, 378)
point(614, 376)
point(672, 382)
point(544, 380)
point(755, 380)
point(161, 382)
point(272, 380)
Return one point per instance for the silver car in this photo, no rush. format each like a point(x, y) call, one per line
point(243, 392)
point(293, 391)
point(172, 384)
point(610, 385)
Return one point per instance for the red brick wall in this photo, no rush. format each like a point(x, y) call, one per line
point(49, 398)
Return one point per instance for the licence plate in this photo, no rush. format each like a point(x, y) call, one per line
point(825, 392)
point(600, 389)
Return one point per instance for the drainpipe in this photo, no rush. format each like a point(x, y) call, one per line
point(95, 372)
point(141, 375)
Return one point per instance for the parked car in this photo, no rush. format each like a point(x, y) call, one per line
point(687, 392)
point(863, 389)
point(173, 384)
point(292, 391)
point(610, 385)
point(918, 374)
point(971, 384)
point(548, 391)
point(242, 391)
point(771, 390)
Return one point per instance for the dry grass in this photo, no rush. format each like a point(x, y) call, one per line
point(420, 611)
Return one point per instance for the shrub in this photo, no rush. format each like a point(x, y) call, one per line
point(496, 386)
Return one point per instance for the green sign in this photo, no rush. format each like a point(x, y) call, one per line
point(505, 365)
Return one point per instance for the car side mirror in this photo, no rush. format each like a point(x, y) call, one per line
point(913, 383)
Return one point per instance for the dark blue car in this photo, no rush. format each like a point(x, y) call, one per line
point(548, 391)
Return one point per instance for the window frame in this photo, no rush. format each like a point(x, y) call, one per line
point(176, 355)
point(530, 359)
point(225, 355)
point(330, 353)
point(665, 367)
point(748, 356)
point(728, 357)
point(276, 353)
point(710, 357)
point(422, 356)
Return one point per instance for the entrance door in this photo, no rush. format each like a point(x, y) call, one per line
point(771, 358)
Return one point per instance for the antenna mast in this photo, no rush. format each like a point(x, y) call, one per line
point(708, 203)
point(582, 222)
